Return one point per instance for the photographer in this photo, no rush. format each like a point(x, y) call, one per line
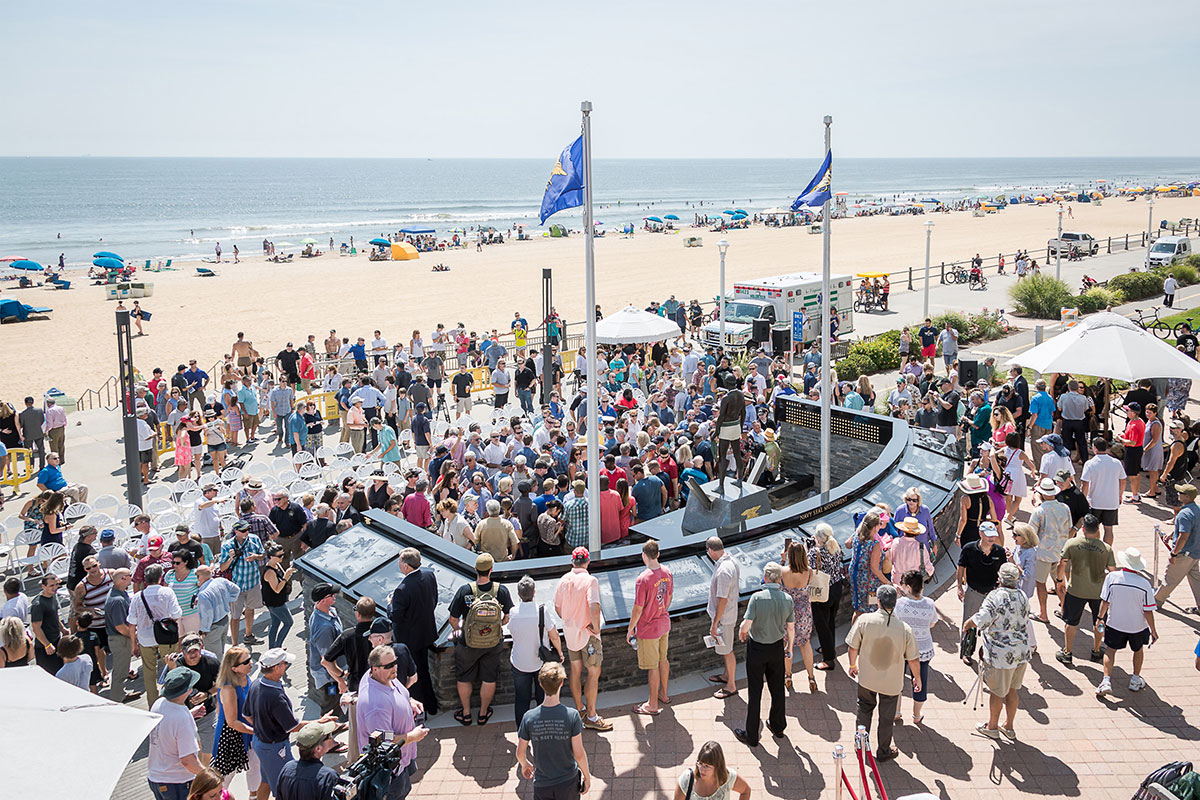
point(308, 778)
point(201, 700)
point(385, 705)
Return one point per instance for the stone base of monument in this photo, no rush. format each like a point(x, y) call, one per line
point(709, 508)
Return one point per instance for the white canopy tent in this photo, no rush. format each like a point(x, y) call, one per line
point(1108, 345)
point(632, 325)
point(59, 736)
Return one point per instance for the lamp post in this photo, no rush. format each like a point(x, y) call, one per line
point(928, 237)
point(133, 473)
point(722, 248)
point(1058, 247)
point(1150, 223)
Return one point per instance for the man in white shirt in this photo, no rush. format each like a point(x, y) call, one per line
point(691, 360)
point(723, 593)
point(146, 440)
point(155, 602)
point(379, 347)
point(207, 518)
point(495, 453)
point(1102, 476)
point(531, 625)
point(173, 758)
point(16, 604)
point(1127, 603)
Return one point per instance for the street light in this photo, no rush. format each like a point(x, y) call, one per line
point(928, 236)
point(1150, 224)
point(1058, 247)
point(722, 248)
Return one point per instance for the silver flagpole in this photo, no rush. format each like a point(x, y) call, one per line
point(593, 394)
point(826, 365)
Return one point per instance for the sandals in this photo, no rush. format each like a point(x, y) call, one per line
point(824, 666)
point(462, 717)
point(644, 708)
point(812, 684)
point(787, 683)
point(723, 693)
point(716, 678)
point(483, 718)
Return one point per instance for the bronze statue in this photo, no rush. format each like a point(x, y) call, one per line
point(731, 413)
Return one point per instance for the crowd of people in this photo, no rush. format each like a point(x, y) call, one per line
point(510, 483)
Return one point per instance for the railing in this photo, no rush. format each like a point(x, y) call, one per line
point(107, 396)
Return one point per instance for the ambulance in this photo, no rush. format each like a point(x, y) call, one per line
point(787, 304)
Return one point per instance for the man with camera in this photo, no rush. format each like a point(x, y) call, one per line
point(385, 705)
point(308, 778)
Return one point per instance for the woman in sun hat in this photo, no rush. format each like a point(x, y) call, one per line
point(975, 507)
point(908, 553)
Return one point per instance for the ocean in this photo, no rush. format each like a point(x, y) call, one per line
point(182, 207)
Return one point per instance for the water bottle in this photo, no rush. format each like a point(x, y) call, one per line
point(633, 642)
point(591, 649)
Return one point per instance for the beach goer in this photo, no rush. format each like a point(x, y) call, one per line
point(768, 632)
point(1085, 563)
point(1127, 606)
point(878, 651)
point(1003, 623)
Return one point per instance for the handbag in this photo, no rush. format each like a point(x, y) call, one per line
point(546, 654)
point(166, 630)
point(818, 587)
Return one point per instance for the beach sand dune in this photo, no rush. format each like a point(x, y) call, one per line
point(198, 318)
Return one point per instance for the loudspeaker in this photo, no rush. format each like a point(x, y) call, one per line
point(968, 371)
point(779, 339)
point(761, 330)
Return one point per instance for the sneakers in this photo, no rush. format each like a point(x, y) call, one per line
point(1064, 657)
point(1105, 687)
point(597, 724)
point(1136, 683)
point(991, 733)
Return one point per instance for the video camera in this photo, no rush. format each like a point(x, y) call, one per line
point(359, 780)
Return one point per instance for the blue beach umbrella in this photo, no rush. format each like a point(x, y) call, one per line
point(740, 211)
point(728, 211)
point(379, 242)
point(738, 216)
point(671, 216)
point(107, 254)
point(26, 264)
point(654, 219)
point(108, 263)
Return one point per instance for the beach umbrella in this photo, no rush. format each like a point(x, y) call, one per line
point(379, 242)
point(654, 219)
point(108, 263)
point(671, 216)
point(12, 258)
point(729, 211)
point(26, 264)
point(107, 254)
point(740, 211)
point(308, 240)
point(1163, 188)
point(102, 736)
point(738, 216)
point(1109, 345)
point(632, 325)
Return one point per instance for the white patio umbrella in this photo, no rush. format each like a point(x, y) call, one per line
point(51, 720)
point(632, 325)
point(1108, 345)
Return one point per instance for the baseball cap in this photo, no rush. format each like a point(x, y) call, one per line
point(985, 529)
point(191, 642)
point(276, 656)
point(241, 525)
point(179, 682)
point(379, 625)
point(108, 535)
point(580, 555)
point(1063, 474)
point(154, 542)
point(314, 733)
point(484, 562)
point(323, 590)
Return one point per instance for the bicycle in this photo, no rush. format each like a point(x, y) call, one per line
point(1151, 322)
point(1178, 331)
point(1001, 320)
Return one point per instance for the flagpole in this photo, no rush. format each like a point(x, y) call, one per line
point(593, 394)
point(826, 365)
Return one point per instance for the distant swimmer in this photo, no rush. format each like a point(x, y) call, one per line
point(60, 236)
point(192, 232)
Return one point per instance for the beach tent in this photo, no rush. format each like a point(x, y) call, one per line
point(558, 232)
point(56, 718)
point(27, 265)
point(403, 251)
point(417, 231)
point(1109, 345)
point(632, 325)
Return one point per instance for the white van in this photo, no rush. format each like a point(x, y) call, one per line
point(1168, 250)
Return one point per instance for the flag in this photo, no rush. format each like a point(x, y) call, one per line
point(818, 189)
point(565, 187)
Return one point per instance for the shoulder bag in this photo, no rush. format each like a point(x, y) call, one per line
point(546, 654)
point(166, 630)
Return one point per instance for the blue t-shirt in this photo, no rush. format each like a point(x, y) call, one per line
point(387, 437)
point(358, 352)
point(76, 672)
point(297, 425)
point(249, 400)
point(690, 472)
point(648, 494)
point(550, 731)
point(1188, 519)
point(1041, 408)
point(52, 478)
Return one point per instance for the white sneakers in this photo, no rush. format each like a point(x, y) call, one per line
point(1104, 688)
point(1136, 683)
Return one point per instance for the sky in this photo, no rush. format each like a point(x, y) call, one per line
point(373, 78)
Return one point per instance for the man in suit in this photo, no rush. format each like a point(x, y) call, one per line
point(1021, 389)
point(413, 603)
point(31, 420)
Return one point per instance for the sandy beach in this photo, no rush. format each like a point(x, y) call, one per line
point(198, 318)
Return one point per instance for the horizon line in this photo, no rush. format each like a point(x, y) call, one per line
point(606, 158)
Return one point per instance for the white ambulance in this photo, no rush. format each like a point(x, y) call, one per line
point(782, 301)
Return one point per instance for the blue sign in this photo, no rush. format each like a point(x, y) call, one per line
point(798, 326)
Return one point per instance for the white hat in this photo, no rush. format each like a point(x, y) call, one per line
point(988, 529)
point(1047, 487)
point(276, 656)
point(1131, 558)
point(973, 484)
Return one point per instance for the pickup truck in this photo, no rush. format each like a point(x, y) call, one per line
point(1083, 243)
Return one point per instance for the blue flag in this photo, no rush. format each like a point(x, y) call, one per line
point(565, 187)
point(818, 189)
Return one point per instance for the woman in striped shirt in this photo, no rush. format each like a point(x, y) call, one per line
point(183, 582)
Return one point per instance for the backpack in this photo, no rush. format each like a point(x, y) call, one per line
point(483, 624)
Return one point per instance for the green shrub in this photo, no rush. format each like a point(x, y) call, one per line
point(855, 364)
point(983, 328)
point(1185, 273)
point(882, 352)
point(1040, 297)
point(1193, 261)
point(1136, 285)
point(960, 323)
point(1098, 299)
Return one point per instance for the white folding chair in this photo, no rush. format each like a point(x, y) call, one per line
point(301, 458)
point(390, 468)
point(269, 482)
point(98, 519)
point(357, 460)
point(127, 511)
point(107, 503)
point(257, 469)
point(344, 449)
point(56, 558)
point(288, 476)
point(168, 520)
point(188, 498)
point(298, 488)
point(76, 511)
point(280, 464)
point(158, 506)
point(184, 486)
point(311, 472)
point(324, 454)
point(231, 475)
point(159, 491)
point(346, 473)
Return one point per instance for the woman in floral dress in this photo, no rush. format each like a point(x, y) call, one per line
point(796, 579)
point(866, 574)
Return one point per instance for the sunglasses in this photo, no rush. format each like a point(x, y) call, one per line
point(389, 665)
point(243, 663)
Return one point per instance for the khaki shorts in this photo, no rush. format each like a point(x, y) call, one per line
point(1044, 571)
point(597, 656)
point(462, 405)
point(250, 600)
point(725, 637)
point(652, 652)
point(1002, 681)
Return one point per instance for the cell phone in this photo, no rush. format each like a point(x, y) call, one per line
point(787, 542)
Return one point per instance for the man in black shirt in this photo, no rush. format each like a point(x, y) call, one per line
point(351, 648)
point(1187, 341)
point(947, 408)
point(1143, 394)
point(288, 362)
point(290, 519)
point(318, 531)
point(462, 382)
point(308, 778)
point(979, 568)
point(83, 548)
point(203, 663)
point(472, 663)
point(193, 551)
point(1070, 496)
